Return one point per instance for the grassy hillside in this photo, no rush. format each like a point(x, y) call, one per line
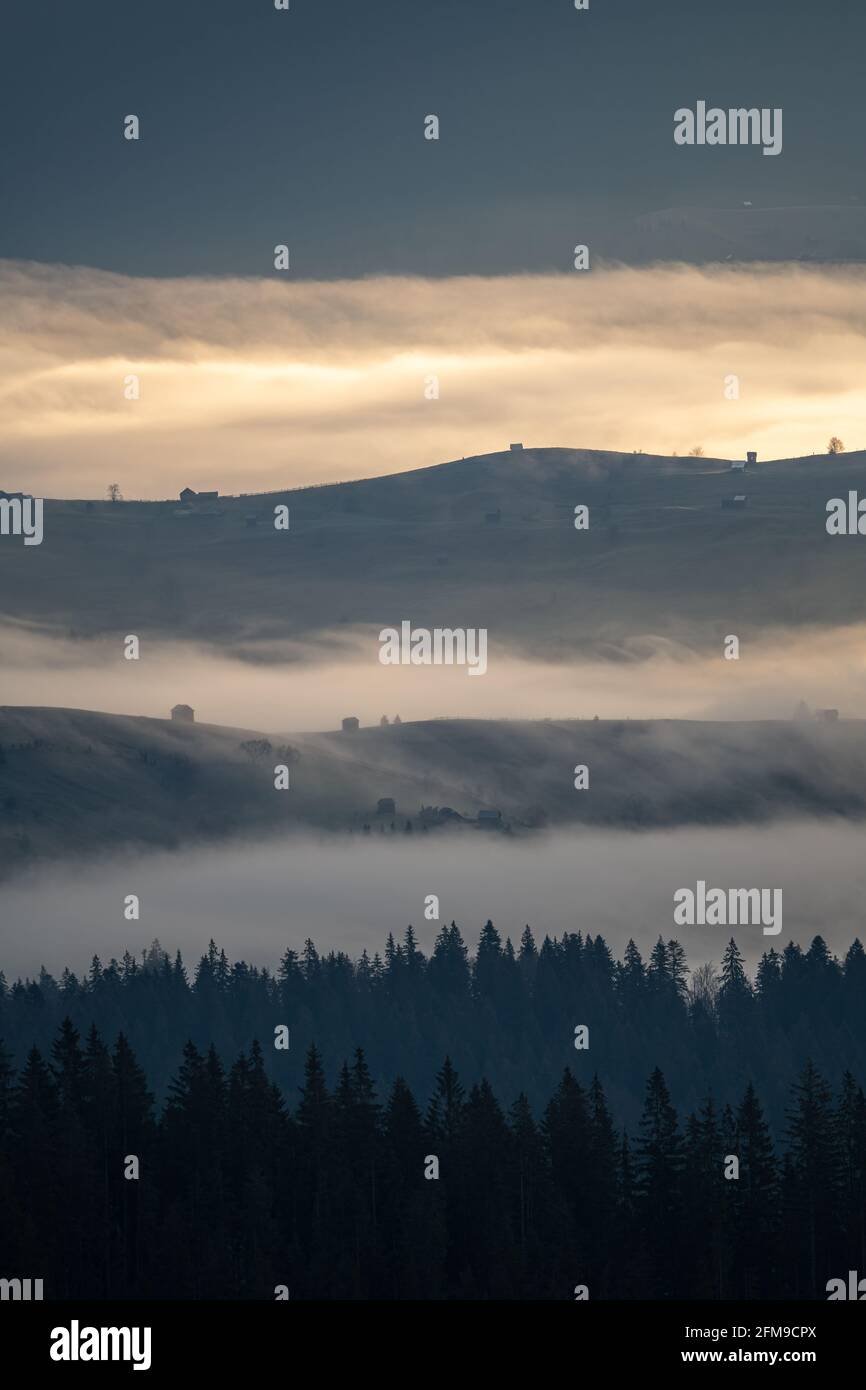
point(661, 555)
point(81, 783)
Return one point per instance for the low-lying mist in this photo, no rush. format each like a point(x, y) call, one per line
point(348, 893)
point(311, 686)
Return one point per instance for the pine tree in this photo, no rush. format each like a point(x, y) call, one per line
point(851, 1129)
point(756, 1214)
point(815, 1160)
point(659, 1198)
point(447, 1105)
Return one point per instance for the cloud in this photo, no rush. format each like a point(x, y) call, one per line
point(250, 384)
point(292, 686)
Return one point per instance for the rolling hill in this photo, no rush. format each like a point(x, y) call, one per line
point(82, 783)
point(487, 541)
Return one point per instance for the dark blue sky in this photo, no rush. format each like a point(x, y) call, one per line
point(306, 127)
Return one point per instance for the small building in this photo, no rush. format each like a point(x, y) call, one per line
point(351, 725)
point(515, 448)
point(490, 817)
point(827, 716)
point(183, 714)
point(187, 495)
point(738, 466)
point(751, 456)
point(386, 806)
point(738, 501)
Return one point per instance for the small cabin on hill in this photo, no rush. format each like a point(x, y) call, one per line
point(751, 456)
point(183, 714)
point(190, 495)
point(515, 448)
point(351, 725)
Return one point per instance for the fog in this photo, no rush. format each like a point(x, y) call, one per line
point(306, 687)
point(254, 384)
point(348, 893)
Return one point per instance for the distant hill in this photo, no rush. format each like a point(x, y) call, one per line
point(822, 233)
point(487, 541)
point(78, 782)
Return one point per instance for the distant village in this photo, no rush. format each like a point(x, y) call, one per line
point(385, 817)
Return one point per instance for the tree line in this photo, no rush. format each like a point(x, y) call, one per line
point(503, 1013)
point(226, 1192)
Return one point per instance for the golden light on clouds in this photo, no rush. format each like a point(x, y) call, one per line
point(248, 385)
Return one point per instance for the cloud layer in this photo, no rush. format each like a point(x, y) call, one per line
point(348, 895)
point(251, 384)
point(307, 689)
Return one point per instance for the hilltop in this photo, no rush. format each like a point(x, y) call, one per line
point(480, 541)
point(79, 782)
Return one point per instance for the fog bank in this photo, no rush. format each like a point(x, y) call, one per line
point(348, 893)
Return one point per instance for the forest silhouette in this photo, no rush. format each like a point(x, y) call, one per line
point(249, 1181)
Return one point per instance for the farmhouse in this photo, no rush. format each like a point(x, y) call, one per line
point(351, 725)
point(189, 495)
point(183, 714)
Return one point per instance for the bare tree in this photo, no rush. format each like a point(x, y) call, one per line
point(697, 452)
point(835, 446)
point(704, 988)
point(114, 493)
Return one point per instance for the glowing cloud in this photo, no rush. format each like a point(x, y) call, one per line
point(247, 385)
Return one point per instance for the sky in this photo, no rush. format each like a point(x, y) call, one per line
point(412, 258)
point(305, 127)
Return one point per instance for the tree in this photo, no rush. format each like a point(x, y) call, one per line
point(835, 445)
point(816, 1170)
point(114, 493)
point(697, 452)
point(735, 990)
point(755, 1202)
point(446, 1108)
point(659, 1166)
